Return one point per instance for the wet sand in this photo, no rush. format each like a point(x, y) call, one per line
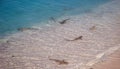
point(111, 62)
point(79, 43)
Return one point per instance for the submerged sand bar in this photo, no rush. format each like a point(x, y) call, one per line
point(49, 48)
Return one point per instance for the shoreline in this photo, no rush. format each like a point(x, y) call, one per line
point(111, 62)
point(62, 43)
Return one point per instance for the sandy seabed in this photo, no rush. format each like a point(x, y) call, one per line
point(55, 47)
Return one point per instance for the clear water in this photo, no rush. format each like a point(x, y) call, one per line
point(25, 13)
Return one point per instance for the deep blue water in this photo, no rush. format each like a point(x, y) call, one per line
point(25, 13)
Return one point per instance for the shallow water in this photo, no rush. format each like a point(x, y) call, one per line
point(25, 13)
point(37, 48)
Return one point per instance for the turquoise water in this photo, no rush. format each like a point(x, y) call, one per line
point(25, 13)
